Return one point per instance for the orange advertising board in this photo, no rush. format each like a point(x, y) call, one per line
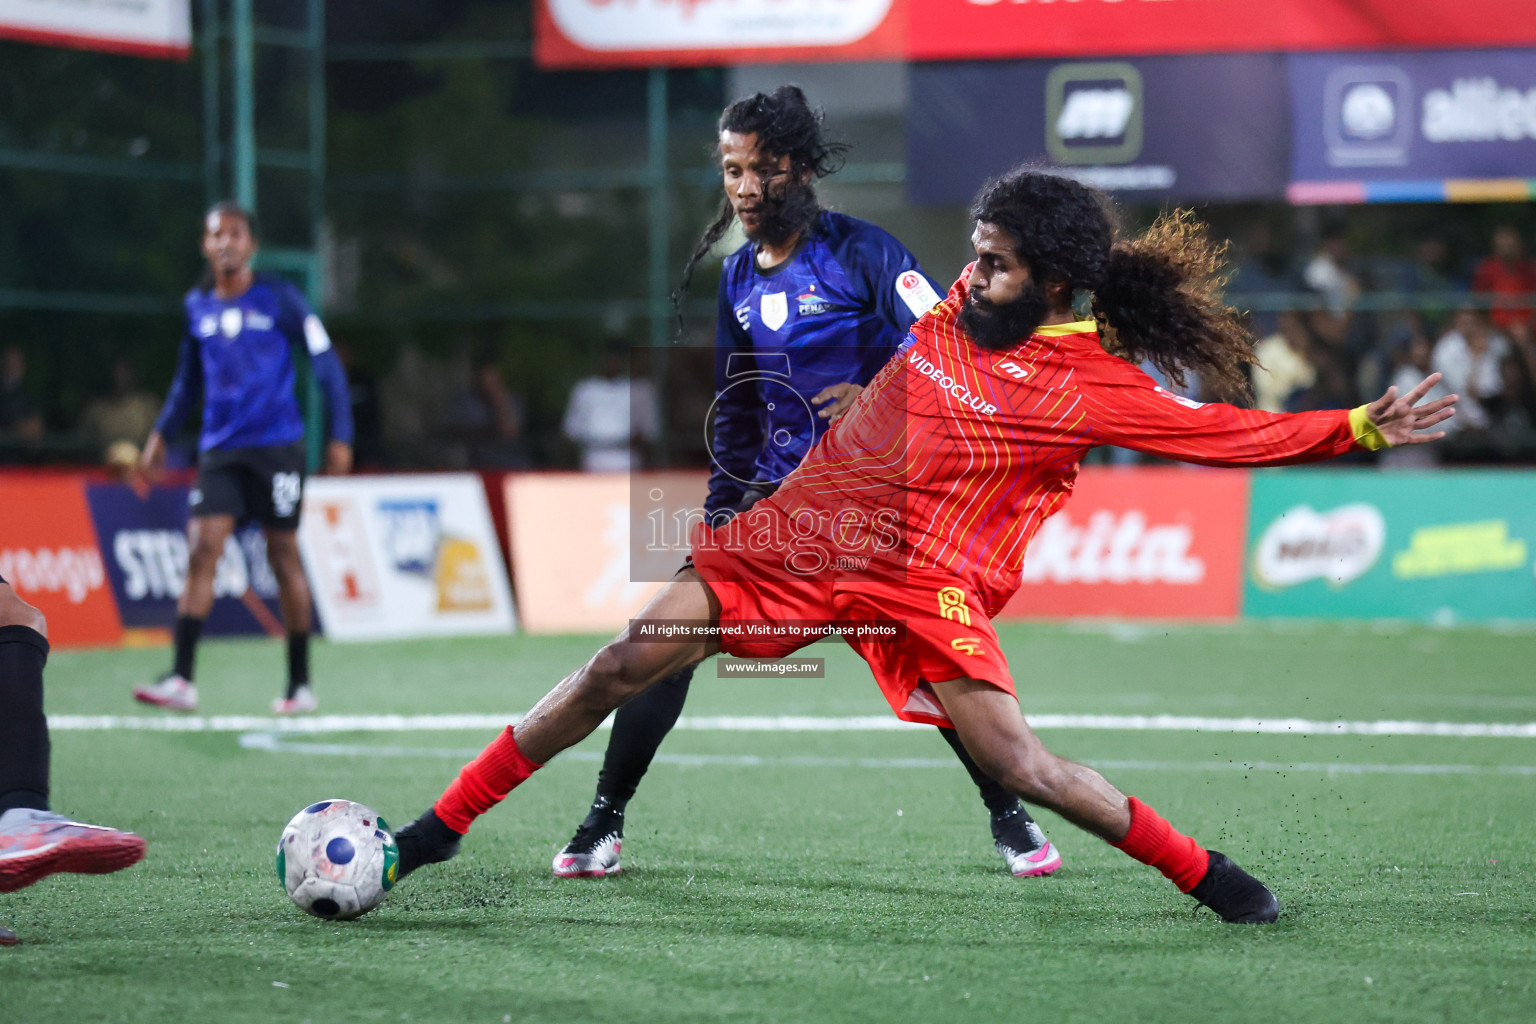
point(585, 556)
point(1153, 543)
point(49, 554)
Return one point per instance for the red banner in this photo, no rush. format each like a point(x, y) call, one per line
point(965, 29)
point(49, 555)
point(639, 33)
point(1140, 543)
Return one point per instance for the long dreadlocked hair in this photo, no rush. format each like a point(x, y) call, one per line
point(1156, 297)
point(785, 125)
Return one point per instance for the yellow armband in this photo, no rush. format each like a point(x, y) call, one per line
point(1367, 434)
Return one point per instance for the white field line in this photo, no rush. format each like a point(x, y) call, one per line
point(793, 723)
point(273, 743)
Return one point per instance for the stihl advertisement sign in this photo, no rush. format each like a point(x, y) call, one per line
point(1140, 543)
point(637, 33)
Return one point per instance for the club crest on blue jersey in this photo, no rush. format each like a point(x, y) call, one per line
point(774, 310)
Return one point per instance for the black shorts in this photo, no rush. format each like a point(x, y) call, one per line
point(261, 484)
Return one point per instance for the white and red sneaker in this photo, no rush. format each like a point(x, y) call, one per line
point(302, 702)
point(1024, 847)
point(35, 844)
point(593, 851)
point(171, 692)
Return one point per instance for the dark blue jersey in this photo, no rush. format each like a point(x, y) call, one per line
point(831, 313)
point(238, 357)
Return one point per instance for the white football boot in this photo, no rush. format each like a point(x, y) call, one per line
point(172, 692)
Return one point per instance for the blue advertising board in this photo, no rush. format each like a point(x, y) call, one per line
point(1202, 127)
point(143, 541)
point(1427, 126)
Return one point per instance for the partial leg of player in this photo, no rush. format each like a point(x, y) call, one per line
point(993, 729)
point(35, 842)
point(620, 670)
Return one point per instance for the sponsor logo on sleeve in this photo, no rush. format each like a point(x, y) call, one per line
point(914, 290)
point(315, 336)
point(1303, 544)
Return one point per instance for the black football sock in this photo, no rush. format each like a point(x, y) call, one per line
point(298, 662)
point(188, 629)
point(23, 729)
point(999, 801)
point(638, 729)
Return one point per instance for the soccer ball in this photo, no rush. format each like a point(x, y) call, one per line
point(337, 860)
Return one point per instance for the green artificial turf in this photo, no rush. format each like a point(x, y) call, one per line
point(788, 889)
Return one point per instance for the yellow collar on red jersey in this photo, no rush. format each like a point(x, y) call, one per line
point(1057, 330)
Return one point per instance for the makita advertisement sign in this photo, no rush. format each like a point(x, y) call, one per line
point(1145, 543)
point(1208, 127)
point(1459, 114)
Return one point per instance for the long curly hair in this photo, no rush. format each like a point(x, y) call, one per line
point(1156, 297)
point(785, 124)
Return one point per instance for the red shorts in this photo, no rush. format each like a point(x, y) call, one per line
point(946, 635)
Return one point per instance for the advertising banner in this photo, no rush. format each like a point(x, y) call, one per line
point(1439, 546)
point(1159, 543)
point(960, 29)
point(49, 555)
point(143, 537)
point(144, 28)
point(1211, 127)
point(682, 33)
point(589, 550)
point(404, 556)
point(1436, 126)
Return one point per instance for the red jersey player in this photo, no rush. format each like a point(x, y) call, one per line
point(906, 525)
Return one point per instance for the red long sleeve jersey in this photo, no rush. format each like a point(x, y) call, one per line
point(956, 454)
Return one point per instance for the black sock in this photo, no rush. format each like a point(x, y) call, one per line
point(23, 729)
point(188, 629)
point(638, 729)
point(298, 661)
point(999, 801)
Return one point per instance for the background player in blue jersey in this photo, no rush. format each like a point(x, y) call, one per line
point(248, 337)
point(810, 308)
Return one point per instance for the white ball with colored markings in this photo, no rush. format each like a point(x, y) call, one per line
point(337, 860)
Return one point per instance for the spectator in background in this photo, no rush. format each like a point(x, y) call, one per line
point(19, 418)
point(1468, 357)
point(488, 419)
point(1329, 273)
point(1333, 385)
point(1284, 364)
point(126, 414)
point(609, 416)
point(367, 420)
point(1509, 278)
point(1262, 271)
point(1411, 355)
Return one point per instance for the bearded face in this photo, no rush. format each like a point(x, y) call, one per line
point(784, 213)
point(998, 326)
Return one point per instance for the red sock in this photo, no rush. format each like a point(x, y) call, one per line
point(484, 782)
point(1153, 841)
